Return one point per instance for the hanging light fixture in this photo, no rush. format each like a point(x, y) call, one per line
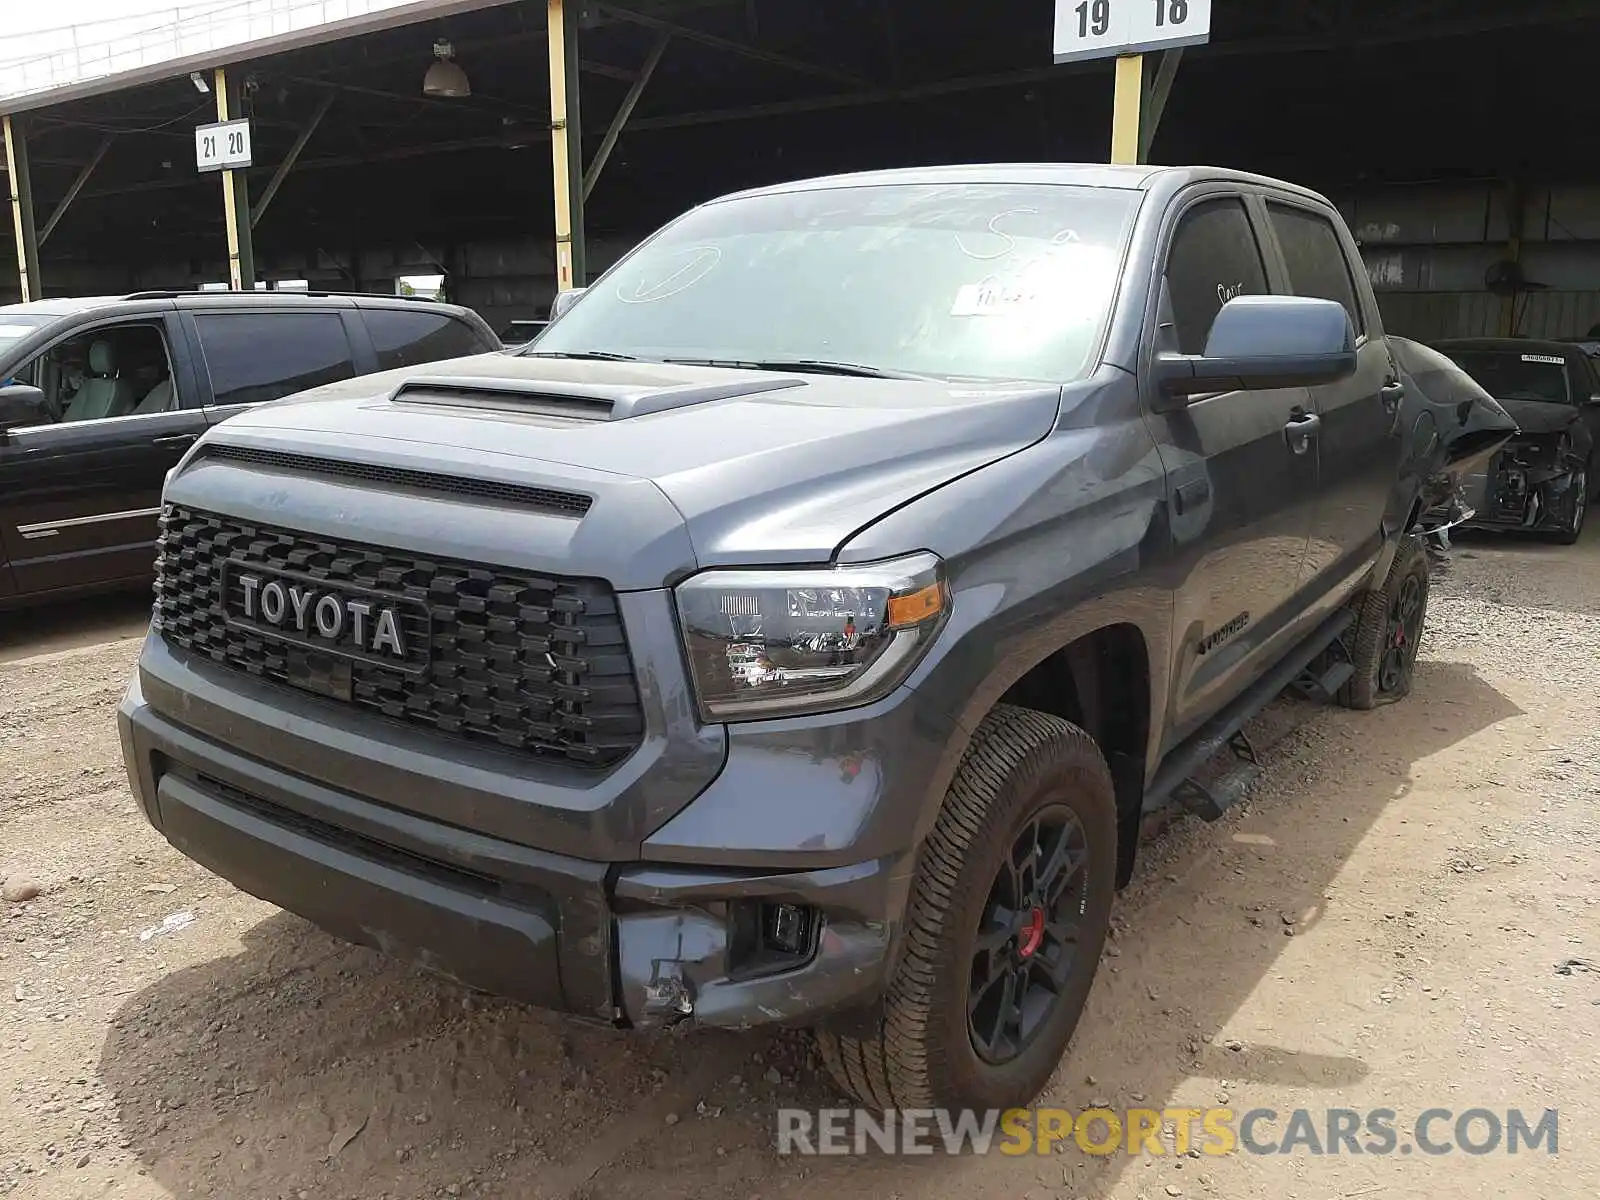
point(445, 78)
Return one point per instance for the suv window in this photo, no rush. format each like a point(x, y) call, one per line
point(111, 371)
point(1315, 258)
point(1213, 258)
point(404, 339)
point(255, 357)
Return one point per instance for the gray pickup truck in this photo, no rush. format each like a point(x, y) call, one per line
point(799, 629)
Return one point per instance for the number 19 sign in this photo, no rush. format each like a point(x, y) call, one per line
point(222, 147)
point(1103, 28)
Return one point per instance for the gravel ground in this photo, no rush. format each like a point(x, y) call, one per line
point(1402, 915)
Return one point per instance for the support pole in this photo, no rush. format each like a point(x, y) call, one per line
point(235, 198)
point(620, 121)
point(22, 211)
point(1125, 109)
point(60, 210)
point(290, 159)
point(566, 146)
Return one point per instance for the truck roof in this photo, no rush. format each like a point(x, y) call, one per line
point(1101, 175)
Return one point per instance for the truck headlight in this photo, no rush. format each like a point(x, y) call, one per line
point(770, 643)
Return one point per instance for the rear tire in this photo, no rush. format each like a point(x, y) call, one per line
point(1012, 896)
point(1388, 631)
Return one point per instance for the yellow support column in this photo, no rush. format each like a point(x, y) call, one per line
point(1125, 109)
point(21, 188)
point(230, 202)
point(566, 146)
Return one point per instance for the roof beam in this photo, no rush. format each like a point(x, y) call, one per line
point(65, 202)
point(290, 159)
point(624, 114)
point(742, 49)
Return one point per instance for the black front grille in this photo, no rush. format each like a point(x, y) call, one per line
point(537, 664)
point(568, 504)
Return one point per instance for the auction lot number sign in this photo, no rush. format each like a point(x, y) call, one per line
point(1104, 28)
point(223, 146)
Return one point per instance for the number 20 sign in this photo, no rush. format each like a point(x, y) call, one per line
point(1103, 28)
point(222, 147)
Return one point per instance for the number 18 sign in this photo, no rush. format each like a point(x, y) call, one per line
point(222, 147)
point(1103, 28)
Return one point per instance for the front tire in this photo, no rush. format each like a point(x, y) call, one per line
point(1580, 507)
point(1388, 631)
point(1005, 923)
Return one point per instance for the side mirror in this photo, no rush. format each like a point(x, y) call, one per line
point(1260, 342)
point(564, 301)
point(22, 404)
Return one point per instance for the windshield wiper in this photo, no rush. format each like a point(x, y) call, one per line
point(815, 365)
point(594, 355)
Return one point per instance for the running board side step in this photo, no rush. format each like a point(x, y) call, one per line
point(1175, 782)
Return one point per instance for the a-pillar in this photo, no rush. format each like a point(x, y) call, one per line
point(22, 223)
point(566, 145)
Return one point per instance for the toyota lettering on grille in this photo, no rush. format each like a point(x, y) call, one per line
point(337, 619)
point(325, 616)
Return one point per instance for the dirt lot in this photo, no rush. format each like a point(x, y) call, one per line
point(1404, 916)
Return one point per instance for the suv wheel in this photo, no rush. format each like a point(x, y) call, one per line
point(1388, 631)
point(1580, 505)
point(1005, 923)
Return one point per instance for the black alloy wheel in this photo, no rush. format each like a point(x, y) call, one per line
point(1028, 937)
point(1404, 635)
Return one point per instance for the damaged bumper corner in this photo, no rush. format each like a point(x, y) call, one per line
point(690, 947)
point(1534, 501)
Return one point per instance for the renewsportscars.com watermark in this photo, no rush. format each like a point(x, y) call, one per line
point(1167, 1131)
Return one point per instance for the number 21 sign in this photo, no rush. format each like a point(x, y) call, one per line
point(222, 147)
point(1104, 28)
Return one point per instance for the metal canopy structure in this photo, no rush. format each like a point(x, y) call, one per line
point(685, 99)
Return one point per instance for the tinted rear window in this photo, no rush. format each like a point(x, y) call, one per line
point(1517, 375)
point(1315, 258)
point(255, 357)
point(404, 339)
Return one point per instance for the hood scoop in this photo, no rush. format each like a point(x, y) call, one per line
point(574, 401)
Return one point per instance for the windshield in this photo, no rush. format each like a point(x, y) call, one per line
point(989, 281)
point(14, 327)
point(1512, 375)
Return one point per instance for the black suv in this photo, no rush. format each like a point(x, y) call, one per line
point(99, 398)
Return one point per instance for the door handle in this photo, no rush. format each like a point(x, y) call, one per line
point(176, 439)
point(1392, 393)
point(1302, 427)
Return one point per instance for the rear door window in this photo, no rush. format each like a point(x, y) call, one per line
point(1213, 258)
point(256, 357)
point(404, 339)
point(1315, 258)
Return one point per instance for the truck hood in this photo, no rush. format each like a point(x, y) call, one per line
point(756, 466)
point(1538, 416)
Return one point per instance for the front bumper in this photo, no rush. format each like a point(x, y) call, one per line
point(638, 945)
point(1509, 497)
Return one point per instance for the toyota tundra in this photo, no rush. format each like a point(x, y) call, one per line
point(798, 630)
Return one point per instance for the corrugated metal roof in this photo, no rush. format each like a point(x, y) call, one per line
point(221, 34)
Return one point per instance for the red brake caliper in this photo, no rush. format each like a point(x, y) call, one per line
point(1032, 935)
